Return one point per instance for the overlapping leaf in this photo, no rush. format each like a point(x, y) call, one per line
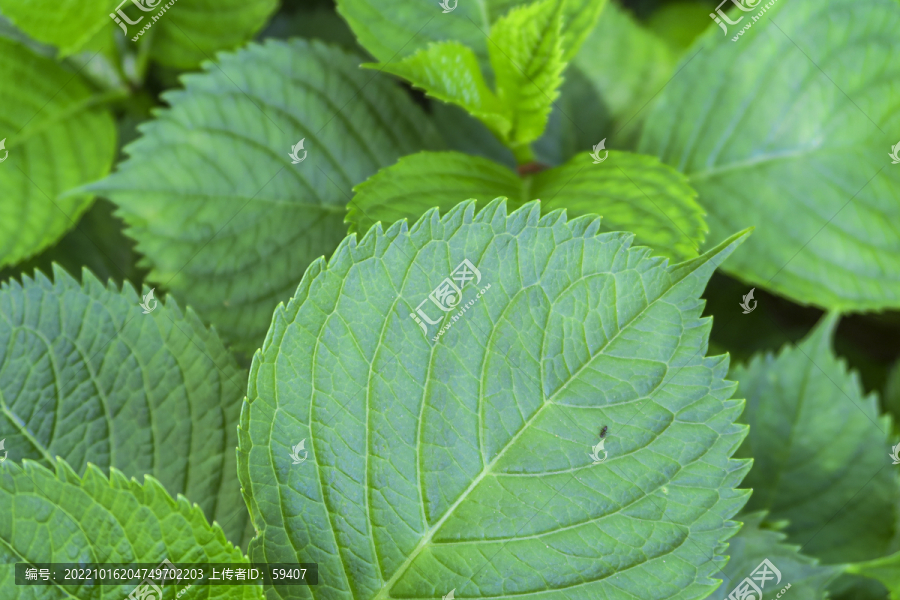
point(55, 139)
point(789, 129)
point(184, 34)
point(819, 449)
point(528, 50)
point(631, 192)
point(752, 545)
point(641, 67)
point(465, 464)
point(394, 29)
point(210, 192)
point(85, 375)
point(63, 518)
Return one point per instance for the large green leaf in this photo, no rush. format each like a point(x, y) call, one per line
point(210, 193)
point(466, 464)
point(56, 138)
point(642, 67)
point(631, 192)
point(184, 34)
point(885, 569)
point(85, 375)
point(752, 545)
point(819, 449)
point(60, 517)
point(788, 129)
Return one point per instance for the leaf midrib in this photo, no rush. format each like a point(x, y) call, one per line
point(384, 593)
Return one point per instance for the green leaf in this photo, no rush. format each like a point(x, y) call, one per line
point(679, 23)
point(184, 33)
point(224, 218)
point(526, 54)
point(885, 569)
point(807, 578)
point(789, 129)
point(528, 51)
point(466, 464)
point(67, 24)
point(819, 450)
point(192, 31)
point(642, 66)
point(55, 137)
point(97, 243)
point(61, 517)
point(418, 182)
point(395, 29)
point(85, 375)
point(449, 72)
point(631, 192)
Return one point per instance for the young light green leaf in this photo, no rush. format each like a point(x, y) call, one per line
point(395, 29)
point(54, 138)
point(788, 130)
point(819, 450)
point(526, 56)
point(184, 34)
point(210, 192)
point(63, 518)
point(808, 579)
point(631, 192)
point(449, 72)
point(466, 464)
point(86, 375)
point(526, 48)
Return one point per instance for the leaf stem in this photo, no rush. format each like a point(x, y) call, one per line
point(523, 154)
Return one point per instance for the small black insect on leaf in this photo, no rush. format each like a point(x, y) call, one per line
point(603, 432)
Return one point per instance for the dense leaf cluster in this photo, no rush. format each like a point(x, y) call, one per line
point(445, 269)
